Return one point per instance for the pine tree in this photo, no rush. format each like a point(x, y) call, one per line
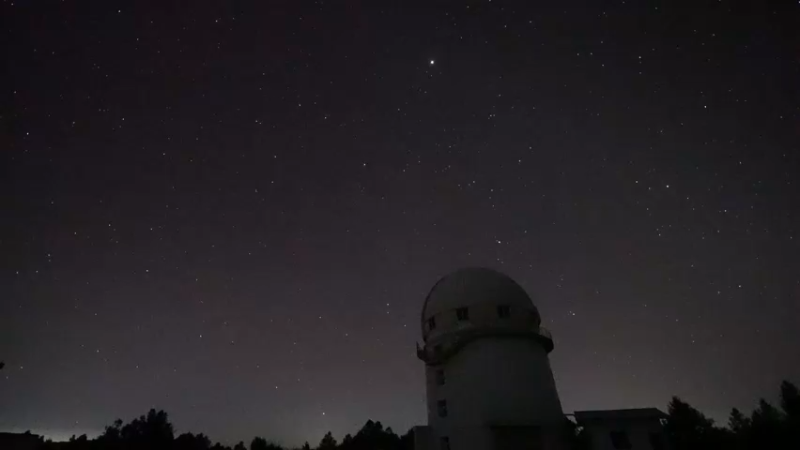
point(790, 400)
point(688, 429)
point(738, 423)
point(766, 424)
point(328, 442)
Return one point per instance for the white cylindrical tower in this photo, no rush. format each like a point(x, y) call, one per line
point(488, 378)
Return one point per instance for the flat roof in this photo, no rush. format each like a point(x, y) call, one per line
point(620, 414)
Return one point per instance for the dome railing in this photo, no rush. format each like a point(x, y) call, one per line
point(435, 353)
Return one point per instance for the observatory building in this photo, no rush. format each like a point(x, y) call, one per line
point(488, 380)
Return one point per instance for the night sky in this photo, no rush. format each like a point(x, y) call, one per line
point(233, 211)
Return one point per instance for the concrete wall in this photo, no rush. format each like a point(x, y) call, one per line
point(493, 381)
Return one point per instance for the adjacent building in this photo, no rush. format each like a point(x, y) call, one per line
point(623, 428)
point(20, 441)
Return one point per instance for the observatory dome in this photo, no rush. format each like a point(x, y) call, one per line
point(476, 286)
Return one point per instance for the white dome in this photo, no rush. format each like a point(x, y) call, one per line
point(475, 285)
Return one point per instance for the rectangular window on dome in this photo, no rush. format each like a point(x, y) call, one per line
point(444, 443)
point(503, 311)
point(440, 377)
point(431, 323)
point(441, 408)
point(462, 314)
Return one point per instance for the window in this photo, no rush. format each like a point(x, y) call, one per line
point(462, 314)
point(431, 323)
point(503, 311)
point(620, 441)
point(440, 377)
point(444, 443)
point(441, 408)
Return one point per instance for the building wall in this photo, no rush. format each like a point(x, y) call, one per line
point(461, 437)
point(493, 381)
point(638, 432)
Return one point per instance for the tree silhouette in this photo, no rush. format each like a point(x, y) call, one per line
point(407, 440)
point(766, 425)
point(739, 425)
point(259, 443)
point(373, 436)
point(153, 430)
point(189, 441)
point(790, 404)
point(347, 442)
point(737, 422)
point(112, 433)
point(688, 429)
point(790, 400)
point(327, 443)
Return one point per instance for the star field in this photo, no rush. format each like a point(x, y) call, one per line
point(233, 211)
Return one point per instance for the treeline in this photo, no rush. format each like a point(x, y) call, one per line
point(767, 427)
point(686, 428)
point(154, 432)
